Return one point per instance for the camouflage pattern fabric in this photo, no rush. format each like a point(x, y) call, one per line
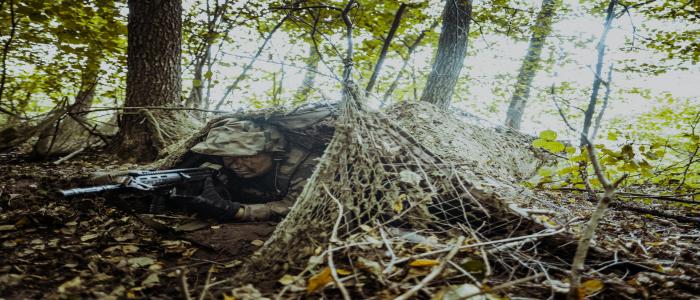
point(232, 137)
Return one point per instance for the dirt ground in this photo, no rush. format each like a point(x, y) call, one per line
point(53, 248)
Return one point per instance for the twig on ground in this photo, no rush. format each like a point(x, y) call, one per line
point(206, 287)
point(434, 273)
point(334, 239)
point(548, 232)
point(69, 156)
point(183, 284)
point(391, 264)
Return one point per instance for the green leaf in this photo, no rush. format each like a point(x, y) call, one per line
point(555, 147)
point(545, 172)
point(539, 143)
point(548, 135)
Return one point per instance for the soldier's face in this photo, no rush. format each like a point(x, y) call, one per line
point(249, 166)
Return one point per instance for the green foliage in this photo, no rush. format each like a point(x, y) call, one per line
point(660, 148)
point(59, 48)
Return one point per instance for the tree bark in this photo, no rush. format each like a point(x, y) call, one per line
point(153, 75)
point(452, 49)
point(531, 63)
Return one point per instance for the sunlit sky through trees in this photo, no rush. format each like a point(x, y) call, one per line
point(490, 69)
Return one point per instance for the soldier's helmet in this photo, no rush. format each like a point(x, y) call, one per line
point(233, 138)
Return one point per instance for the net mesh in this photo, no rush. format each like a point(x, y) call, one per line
point(383, 195)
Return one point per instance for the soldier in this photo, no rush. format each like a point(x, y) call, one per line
point(260, 172)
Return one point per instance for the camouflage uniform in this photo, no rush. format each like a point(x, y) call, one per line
point(266, 197)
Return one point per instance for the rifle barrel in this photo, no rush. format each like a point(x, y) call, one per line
point(90, 190)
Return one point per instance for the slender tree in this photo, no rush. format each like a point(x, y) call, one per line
point(531, 63)
point(153, 75)
point(597, 80)
point(310, 77)
point(385, 47)
point(452, 49)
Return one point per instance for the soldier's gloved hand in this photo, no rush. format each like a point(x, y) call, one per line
point(210, 204)
point(274, 211)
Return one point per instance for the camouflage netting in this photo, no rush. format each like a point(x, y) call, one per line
point(310, 126)
point(388, 192)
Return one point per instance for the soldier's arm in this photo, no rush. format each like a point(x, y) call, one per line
point(271, 211)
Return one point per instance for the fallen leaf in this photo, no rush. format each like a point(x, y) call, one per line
point(23, 221)
point(369, 266)
point(70, 284)
point(592, 286)
point(257, 243)
point(7, 227)
point(124, 238)
point(125, 249)
point(140, 261)
point(228, 297)
point(397, 205)
point(343, 272)
point(319, 280)
point(88, 237)
point(151, 280)
point(456, 292)
point(287, 279)
point(424, 263)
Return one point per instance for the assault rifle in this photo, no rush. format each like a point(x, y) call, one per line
point(146, 181)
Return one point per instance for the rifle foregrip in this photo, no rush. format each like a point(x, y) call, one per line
point(90, 190)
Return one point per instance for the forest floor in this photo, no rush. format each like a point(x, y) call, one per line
point(55, 248)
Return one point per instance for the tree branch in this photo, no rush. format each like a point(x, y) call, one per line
point(347, 62)
point(385, 47)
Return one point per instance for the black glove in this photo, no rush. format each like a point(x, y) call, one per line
point(210, 203)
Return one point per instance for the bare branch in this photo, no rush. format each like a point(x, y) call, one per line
point(348, 32)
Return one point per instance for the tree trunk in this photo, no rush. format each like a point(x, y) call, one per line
point(69, 133)
point(452, 49)
point(310, 77)
point(385, 47)
point(531, 63)
point(196, 99)
point(597, 80)
point(153, 76)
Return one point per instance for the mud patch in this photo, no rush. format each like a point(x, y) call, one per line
point(235, 239)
